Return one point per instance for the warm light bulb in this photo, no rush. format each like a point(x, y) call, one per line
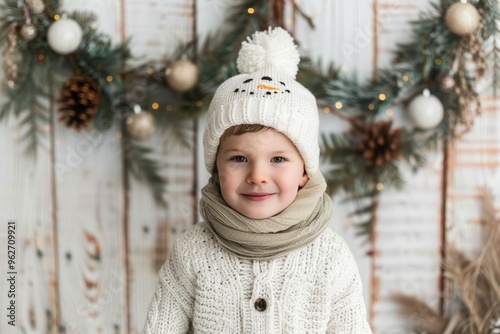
point(251, 10)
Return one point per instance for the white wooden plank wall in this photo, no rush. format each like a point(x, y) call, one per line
point(91, 265)
point(407, 235)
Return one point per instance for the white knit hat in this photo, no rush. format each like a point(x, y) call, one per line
point(266, 93)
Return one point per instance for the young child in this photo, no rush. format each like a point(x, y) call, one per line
point(264, 259)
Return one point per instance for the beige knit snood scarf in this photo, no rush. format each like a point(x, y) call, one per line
point(264, 239)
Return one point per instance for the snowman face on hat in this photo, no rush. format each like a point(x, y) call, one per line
point(264, 86)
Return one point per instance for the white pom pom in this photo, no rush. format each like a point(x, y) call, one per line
point(273, 47)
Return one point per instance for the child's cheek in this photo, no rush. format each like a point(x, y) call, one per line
point(225, 176)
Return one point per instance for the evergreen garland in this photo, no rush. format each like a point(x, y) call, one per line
point(361, 162)
point(433, 53)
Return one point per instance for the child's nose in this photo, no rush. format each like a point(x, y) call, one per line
point(257, 174)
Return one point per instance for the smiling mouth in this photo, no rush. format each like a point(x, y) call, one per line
point(257, 197)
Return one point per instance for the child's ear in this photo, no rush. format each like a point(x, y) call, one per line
point(303, 180)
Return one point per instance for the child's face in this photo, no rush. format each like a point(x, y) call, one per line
point(260, 173)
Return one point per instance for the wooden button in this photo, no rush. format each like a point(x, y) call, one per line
point(260, 305)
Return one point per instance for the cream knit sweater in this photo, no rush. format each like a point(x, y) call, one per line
point(204, 289)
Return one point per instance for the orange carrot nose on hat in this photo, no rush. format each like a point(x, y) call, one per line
point(266, 93)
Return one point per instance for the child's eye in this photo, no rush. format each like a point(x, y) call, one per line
point(278, 159)
point(239, 158)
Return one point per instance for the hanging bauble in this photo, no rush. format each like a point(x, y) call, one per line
point(64, 36)
point(29, 31)
point(182, 75)
point(447, 84)
point(37, 6)
point(425, 111)
point(462, 18)
point(140, 124)
point(79, 101)
point(380, 143)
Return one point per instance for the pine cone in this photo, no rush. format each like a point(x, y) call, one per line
point(380, 144)
point(79, 101)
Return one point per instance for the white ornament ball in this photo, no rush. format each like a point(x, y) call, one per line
point(64, 36)
point(141, 125)
point(462, 19)
point(182, 75)
point(425, 111)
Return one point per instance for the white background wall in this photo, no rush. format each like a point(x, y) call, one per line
point(88, 257)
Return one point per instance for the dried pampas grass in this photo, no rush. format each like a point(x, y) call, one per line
point(477, 282)
point(420, 314)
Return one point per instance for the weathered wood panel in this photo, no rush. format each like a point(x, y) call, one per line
point(350, 50)
point(90, 214)
point(473, 163)
point(158, 28)
point(407, 239)
point(27, 199)
point(109, 251)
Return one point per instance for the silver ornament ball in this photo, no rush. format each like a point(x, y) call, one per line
point(447, 84)
point(29, 31)
point(182, 75)
point(10, 85)
point(462, 19)
point(141, 125)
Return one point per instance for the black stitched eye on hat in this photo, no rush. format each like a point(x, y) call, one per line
point(247, 80)
point(266, 78)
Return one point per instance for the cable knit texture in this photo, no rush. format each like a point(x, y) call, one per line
point(204, 289)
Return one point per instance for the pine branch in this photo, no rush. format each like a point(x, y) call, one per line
point(217, 57)
point(350, 176)
point(422, 62)
point(314, 78)
point(366, 204)
point(26, 103)
point(178, 131)
point(144, 169)
point(491, 35)
point(31, 127)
